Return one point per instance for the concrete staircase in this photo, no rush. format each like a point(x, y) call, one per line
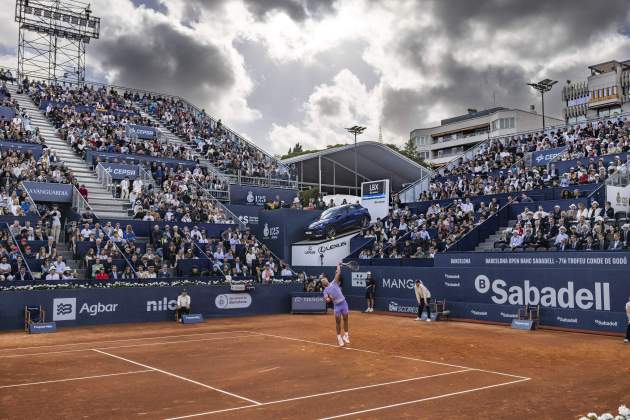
point(488, 244)
point(101, 200)
point(172, 138)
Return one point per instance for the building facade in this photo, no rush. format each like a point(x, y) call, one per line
point(450, 138)
point(605, 93)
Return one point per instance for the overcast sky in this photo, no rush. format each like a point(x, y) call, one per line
point(281, 71)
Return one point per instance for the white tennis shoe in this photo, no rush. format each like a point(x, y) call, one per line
point(340, 341)
point(346, 338)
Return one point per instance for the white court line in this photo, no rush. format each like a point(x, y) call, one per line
point(121, 347)
point(121, 340)
point(177, 376)
point(76, 379)
point(354, 413)
point(385, 354)
point(321, 394)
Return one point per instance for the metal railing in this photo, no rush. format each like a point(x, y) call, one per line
point(78, 201)
point(28, 269)
point(30, 199)
point(262, 181)
point(104, 177)
point(146, 176)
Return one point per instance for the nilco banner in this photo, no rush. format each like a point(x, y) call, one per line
point(259, 196)
point(570, 298)
point(50, 192)
point(141, 131)
point(70, 307)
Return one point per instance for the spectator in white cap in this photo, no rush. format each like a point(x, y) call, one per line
point(561, 237)
point(594, 211)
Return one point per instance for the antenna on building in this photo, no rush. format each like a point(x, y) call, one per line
point(380, 134)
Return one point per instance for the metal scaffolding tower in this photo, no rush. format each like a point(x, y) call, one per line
point(53, 35)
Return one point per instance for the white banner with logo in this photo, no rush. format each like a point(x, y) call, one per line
point(375, 198)
point(619, 197)
point(327, 253)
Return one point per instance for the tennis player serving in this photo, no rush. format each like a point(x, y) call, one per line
point(333, 293)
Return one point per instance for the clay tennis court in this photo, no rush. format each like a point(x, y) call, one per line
point(288, 367)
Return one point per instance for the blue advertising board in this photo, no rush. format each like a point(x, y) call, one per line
point(121, 170)
point(71, 307)
point(17, 146)
point(259, 196)
point(49, 192)
point(248, 215)
point(544, 157)
point(570, 297)
point(279, 229)
point(308, 303)
point(91, 157)
point(6, 113)
point(141, 131)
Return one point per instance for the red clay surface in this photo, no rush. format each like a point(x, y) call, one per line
point(288, 367)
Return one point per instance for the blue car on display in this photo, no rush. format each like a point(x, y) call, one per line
point(338, 219)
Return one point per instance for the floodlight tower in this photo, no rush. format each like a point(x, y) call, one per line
point(356, 130)
point(543, 86)
point(53, 35)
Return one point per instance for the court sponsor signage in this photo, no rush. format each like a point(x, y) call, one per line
point(192, 319)
point(569, 297)
point(359, 278)
point(522, 324)
point(142, 304)
point(49, 192)
point(308, 303)
point(42, 328)
point(233, 301)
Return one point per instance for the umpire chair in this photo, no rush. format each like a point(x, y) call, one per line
point(34, 314)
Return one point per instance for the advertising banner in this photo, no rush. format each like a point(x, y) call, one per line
point(544, 157)
point(141, 131)
point(259, 196)
point(246, 214)
point(326, 253)
point(35, 149)
point(91, 156)
point(568, 297)
point(619, 197)
point(534, 259)
point(375, 198)
point(6, 113)
point(71, 307)
point(278, 229)
point(308, 303)
point(50, 192)
point(120, 170)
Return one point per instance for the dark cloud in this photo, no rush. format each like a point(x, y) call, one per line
point(163, 59)
point(406, 109)
point(573, 25)
point(328, 106)
point(297, 10)
point(155, 5)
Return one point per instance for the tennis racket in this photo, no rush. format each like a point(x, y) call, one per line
point(352, 265)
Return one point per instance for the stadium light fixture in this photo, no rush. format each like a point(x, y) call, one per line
point(543, 87)
point(356, 130)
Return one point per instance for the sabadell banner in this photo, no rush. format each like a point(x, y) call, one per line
point(568, 297)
